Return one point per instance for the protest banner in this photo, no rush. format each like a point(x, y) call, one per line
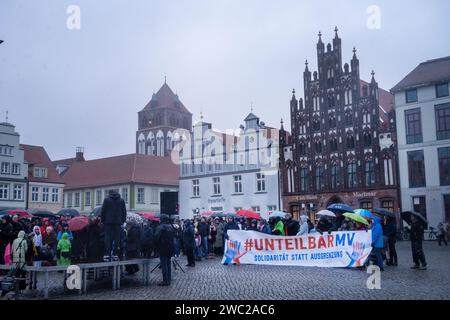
point(338, 249)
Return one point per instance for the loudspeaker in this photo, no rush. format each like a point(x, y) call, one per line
point(169, 202)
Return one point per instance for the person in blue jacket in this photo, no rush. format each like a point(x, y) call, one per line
point(377, 240)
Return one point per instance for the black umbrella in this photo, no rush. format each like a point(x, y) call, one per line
point(96, 212)
point(383, 212)
point(406, 215)
point(68, 212)
point(218, 215)
point(42, 213)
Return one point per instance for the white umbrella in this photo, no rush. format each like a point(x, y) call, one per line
point(327, 213)
point(134, 218)
point(275, 214)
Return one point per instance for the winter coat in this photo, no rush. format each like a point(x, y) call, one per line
point(147, 237)
point(188, 237)
point(19, 248)
point(292, 227)
point(304, 228)
point(265, 228)
point(133, 239)
point(69, 234)
point(6, 233)
point(50, 240)
point(113, 210)
point(377, 233)
point(279, 228)
point(230, 226)
point(324, 225)
point(218, 243)
point(164, 236)
point(417, 230)
point(64, 244)
point(203, 229)
point(390, 227)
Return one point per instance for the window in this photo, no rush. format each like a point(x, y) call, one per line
point(444, 165)
point(319, 178)
point(98, 200)
point(316, 125)
point(413, 126)
point(442, 90)
point(367, 139)
point(256, 208)
point(348, 97)
point(304, 179)
point(318, 146)
point(5, 150)
point(316, 105)
point(196, 188)
point(141, 195)
point(419, 205)
point(260, 182)
point(416, 169)
point(350, 142)
point(4, 190)
point(18, 192)
point(330, 102)
point(5, 167)
point(368, 205)
point(87, 198)
point(34, 194)
point(69, 200)
point(154, 196)
point(351, 171)
point(333, 145)
point(302, 148)
point(348, 118)
point(447, 206)
point(271, 208)
point(335, 178)
point(237, 209)
point(411, 95)
point(332, 122)
point(45, 194)
point(40, 172)
point(125, 194)
point(443, 121)
point(290, 179)
point(216, 186)
point(388, 204)
point(237, 184)
point(77, 199)
point(15, 168)
point(217, 209)
point(55, 195)
point(369, 173)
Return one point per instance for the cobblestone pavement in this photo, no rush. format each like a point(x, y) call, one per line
point(212, 280)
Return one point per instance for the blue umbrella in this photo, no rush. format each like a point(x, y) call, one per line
point(364, 213)
point(340, 207)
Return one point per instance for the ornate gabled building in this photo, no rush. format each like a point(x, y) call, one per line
point(342, 146)
point(158, 120)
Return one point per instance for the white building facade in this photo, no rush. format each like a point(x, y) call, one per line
point(227, 172)
point(13, 169)
point(422, 104)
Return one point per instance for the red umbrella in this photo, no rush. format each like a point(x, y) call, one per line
point(19, 212)
point(207, 214)
point(248, 214)
point(152, 216)
point(78, 223)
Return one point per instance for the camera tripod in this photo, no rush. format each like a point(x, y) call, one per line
point(175, 264)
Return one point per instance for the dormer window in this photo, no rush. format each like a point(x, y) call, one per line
point(40, 172)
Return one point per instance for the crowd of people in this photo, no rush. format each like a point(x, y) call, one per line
point(49, 241)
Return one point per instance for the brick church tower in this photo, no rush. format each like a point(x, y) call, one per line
point(157, 121)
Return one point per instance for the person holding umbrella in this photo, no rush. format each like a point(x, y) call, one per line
point(417, 230)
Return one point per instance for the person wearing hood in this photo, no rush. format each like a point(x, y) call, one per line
point(377, 240)
point(37, 244)
point(279, 228)
point(164, 242)
point(189, 243)
point(304, 228)
point(19, 249)
point(264, 227)
point(325, 225)
point(291, 226)
point(64, 248)
point(113, 216)
point(64, 229)
point(253, 226)
point(6, 233)
point(50, 243)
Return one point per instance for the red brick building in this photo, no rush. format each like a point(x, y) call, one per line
point(342, 146)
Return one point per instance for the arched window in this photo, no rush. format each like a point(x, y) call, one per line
point(141, 144)
point(302, 148)
point(330, 101)
point(335, 176)
point(332, 121)
point(348, 97)
point(319, 178)
point(316, 125)
point(350, 142)
point(348, 118)
point(333, 145)
point(369, 173)
point(318, 146)
point(151, 144)
point(367, 139)
point(351, 174)
point(160, 144)
point(303, 179)
point(169, 141)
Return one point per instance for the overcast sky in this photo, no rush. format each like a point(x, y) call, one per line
point(66, 88)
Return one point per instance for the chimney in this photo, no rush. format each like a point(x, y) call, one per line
point(79, 154)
